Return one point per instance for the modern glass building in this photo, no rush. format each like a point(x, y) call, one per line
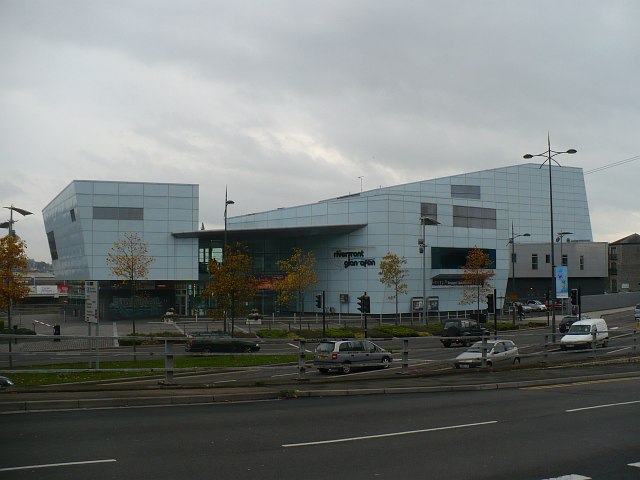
point(85, 219)
point(349, 235)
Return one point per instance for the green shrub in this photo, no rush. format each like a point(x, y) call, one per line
point(276, 333)
point(398, 331)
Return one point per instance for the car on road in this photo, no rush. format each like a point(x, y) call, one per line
point(566, 322)
point(220, 342)
point(344, 355)
point(536, 306)
point(461, 331)
point(550, 304)
point(584, 332)
point(499, 352)
point(5, 382)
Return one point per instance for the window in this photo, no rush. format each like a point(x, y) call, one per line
point(534, 261)
point(581, 262)
point(455, 258)
point(52, 245)
point(465, 191)
point(565, 260)
point(429, 210)
point(474, 217)
point(118, 213)
point(72, 213)
point(547, 258)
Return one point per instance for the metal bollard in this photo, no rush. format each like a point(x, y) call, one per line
point(635, 340)
point(168, 361)
point(594, 344)
point(405, 354)
point(546, 346)
point(302, 361)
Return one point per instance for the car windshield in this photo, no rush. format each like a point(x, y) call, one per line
point(477, 347)
point(325, 347)
point(451, 324)
point(579, 329)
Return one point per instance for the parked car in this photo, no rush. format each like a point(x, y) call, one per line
point(566, 322)
point(583, 332)
point(343, 355)
point(5, 382)
point(498, 352)
point(536, 306)
point(220, 342)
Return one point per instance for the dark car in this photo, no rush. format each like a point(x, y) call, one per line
point(462, 331)
point(566, 322)
point(220, 342)
point(5, 382)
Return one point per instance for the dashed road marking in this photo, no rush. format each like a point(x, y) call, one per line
point(49, 465)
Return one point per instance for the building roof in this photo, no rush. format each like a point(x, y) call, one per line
point(633, 239)
point(281, 232)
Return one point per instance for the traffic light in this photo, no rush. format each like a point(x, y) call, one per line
point(490, 303)
point(319, 300)
point(364, 303)
point(574, 296)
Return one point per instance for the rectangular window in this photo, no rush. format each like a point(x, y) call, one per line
point(52, 245)
point(72, 213)
point(455, 258)
point(581, 262)
point(118, 213)
point(429, 210)
point(565, 260)
point(534, 261)
point(547, 258)
point(474, 217)
point(465, 191)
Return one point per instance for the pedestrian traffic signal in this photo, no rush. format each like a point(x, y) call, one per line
point(319, 300)
point(490, 303)
point(574, 296)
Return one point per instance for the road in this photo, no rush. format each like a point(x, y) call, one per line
point(588, 430)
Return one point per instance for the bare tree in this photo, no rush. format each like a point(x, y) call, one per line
point(393, 275)
point(129, 261)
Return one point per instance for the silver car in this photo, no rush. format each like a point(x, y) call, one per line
point(343, 355)
point(498, 352)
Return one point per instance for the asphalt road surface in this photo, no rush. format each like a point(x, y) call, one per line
point(588, 430)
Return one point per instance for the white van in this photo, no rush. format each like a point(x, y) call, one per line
point(581, 334)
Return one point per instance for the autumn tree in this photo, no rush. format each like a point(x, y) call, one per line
point(393, 275)
point(232, 283)
point(299, 274)
point(477, 273)
point(129, 261)
point(13, 270)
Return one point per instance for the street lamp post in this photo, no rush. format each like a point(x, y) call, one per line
point(513, 263)
point(549, 155)
point(560, 238)
point(424, 221)
point(227, 202)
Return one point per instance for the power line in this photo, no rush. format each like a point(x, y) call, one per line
point(611, 165)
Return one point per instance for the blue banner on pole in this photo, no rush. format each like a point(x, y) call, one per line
point(562, 282)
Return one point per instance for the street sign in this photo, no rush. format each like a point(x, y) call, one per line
point(91, 302)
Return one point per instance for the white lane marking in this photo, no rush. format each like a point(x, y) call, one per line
point(637, 464)
point(284, 375)
point(385, 435)
point(569, 477)
point(49, 465)
point(602, 406)
point(619, 350)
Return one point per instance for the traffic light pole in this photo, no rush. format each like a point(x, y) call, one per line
point(324, 316)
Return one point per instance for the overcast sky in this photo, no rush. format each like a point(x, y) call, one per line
point(289, 102)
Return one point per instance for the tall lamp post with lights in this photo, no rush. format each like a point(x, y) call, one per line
point(513, 262)
point(550, 156)
point(422, 246)
point(560, 238)
point(227, 202)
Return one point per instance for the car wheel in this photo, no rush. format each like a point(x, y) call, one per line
point(516, 361)
point(446, 344)
point(346, 367)
point(456, 365)
point(324, 371)
point(489, 363)
point(563, 347)
point(386, 361)
point(605, 343)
